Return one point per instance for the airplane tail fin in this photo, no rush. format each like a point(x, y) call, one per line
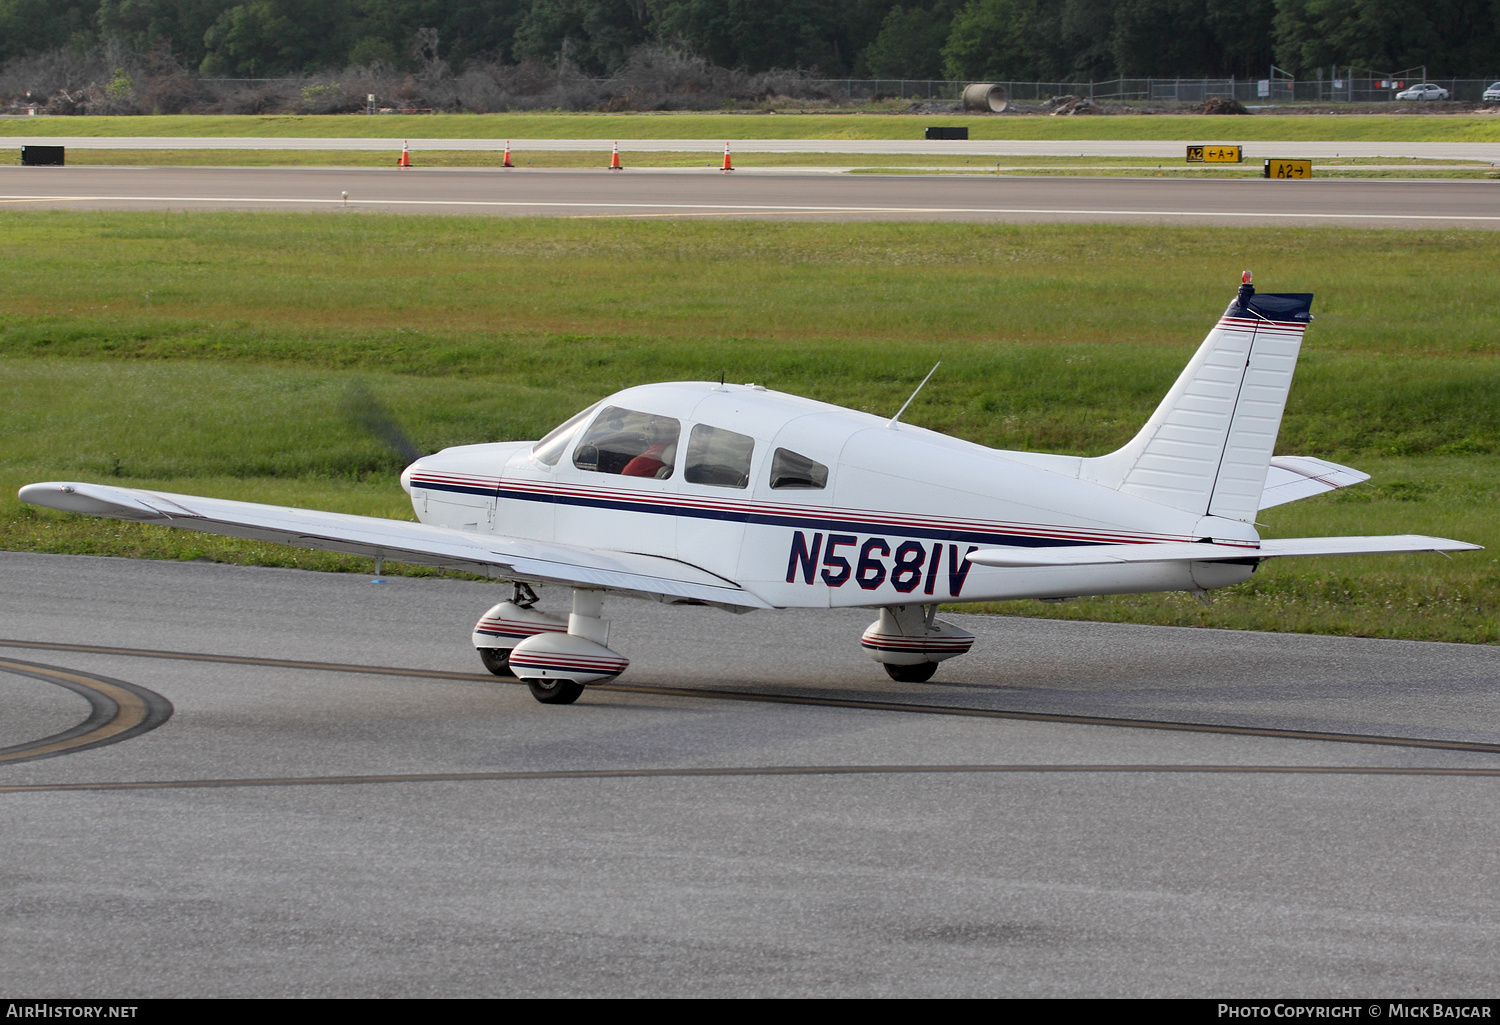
point(1208, 446)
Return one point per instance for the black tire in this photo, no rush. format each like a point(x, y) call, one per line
point(496, 660)
point(919, 673)
point(553, 691)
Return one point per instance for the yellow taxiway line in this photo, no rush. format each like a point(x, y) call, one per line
point(117, 711)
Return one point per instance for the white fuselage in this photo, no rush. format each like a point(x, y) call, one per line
point(901, 508)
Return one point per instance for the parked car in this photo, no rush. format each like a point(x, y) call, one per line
point(1425, 91)
point(1493, 92)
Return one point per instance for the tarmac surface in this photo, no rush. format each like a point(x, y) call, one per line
point(812, 196)
point(314, 790)
point(1254, 151)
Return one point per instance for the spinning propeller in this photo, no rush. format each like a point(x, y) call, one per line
point(367, 413)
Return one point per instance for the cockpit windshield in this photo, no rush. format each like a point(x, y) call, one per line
point(550, 449)
point(629, 443)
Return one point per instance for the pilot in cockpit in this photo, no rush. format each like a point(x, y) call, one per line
point(656, 461)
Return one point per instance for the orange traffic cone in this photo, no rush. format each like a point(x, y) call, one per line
point(614, 160)
point(507, 155)
point(405, 160)
point(727, 165)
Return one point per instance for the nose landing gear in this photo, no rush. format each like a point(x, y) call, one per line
point(496, 660)
point(503, 627)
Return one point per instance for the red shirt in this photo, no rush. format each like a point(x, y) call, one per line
point(646, 464)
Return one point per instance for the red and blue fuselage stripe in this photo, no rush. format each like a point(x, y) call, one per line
point(977, 532)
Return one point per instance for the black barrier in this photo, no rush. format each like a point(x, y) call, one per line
point(42, 156)
point(948, 133)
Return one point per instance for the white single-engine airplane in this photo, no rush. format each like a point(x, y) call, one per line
point(736, 496)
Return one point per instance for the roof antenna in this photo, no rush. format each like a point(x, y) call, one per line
point(891, 425)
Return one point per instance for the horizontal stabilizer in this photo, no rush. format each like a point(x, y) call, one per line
point(1190, 551)
point(402, 541)
point(1292, 477)
point(1377, 544)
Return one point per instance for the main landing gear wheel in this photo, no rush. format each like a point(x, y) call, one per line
point(919, 673)
point(555, 691)
point(496, 660)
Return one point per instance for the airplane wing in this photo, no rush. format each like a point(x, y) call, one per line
point(401, 540)
point(1289, 478)
point(1189, 551)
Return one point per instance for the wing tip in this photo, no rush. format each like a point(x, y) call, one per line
point(88, 499)
point(52, 494)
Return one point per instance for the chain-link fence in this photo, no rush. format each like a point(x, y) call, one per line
point(1148, 91)
point(1249, 91)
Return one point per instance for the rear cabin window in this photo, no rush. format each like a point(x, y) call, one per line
point(550, 449)
point(718, 457)
point(789, 471)
point(629, 443)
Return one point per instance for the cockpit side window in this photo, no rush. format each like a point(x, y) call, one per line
point(550, 449)
point(718, 457)
point(629, 443)
point(790, 471)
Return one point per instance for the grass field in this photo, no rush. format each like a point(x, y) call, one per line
point(209, 353)
point(1186, 127)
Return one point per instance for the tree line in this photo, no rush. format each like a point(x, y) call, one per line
point(1048, 40)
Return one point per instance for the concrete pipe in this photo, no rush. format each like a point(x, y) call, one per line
point(986, 96)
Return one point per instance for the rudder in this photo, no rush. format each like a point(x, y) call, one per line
point(1207, 447)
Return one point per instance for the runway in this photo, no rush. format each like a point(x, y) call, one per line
point(652, 193)
point(1165, 148)
point(333, 799)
